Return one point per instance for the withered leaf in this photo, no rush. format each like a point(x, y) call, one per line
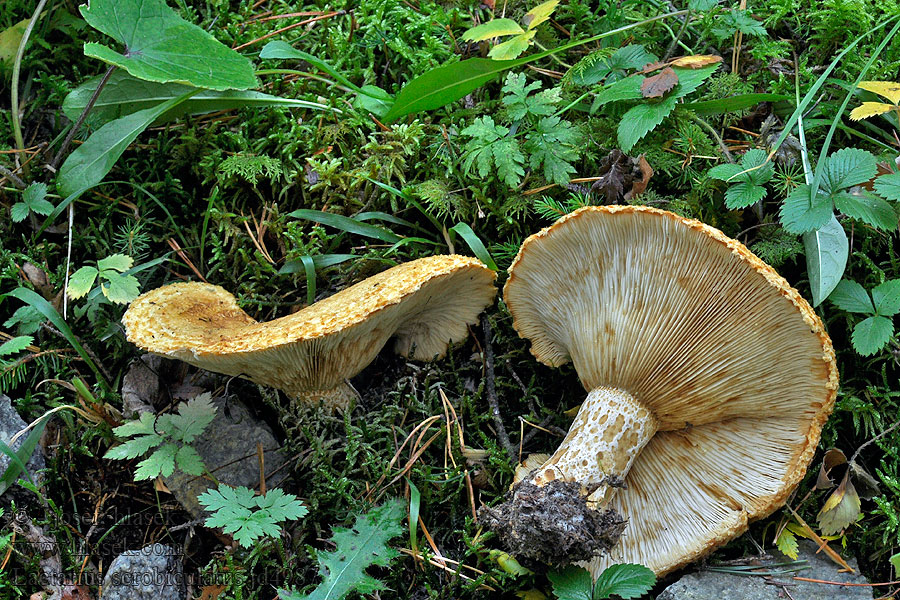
point(696, 61)
point(616, 175)
point(841, 509)
point(832, 459)
point(654, 66)
point(640, 185)
point(868, 485)
point(657, 85)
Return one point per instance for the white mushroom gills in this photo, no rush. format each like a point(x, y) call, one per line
point(609, 431)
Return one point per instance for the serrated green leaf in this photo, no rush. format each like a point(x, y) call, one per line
point(642, 119)
point(133, 448)
point(826, 251)
point(161, 46)
point(193, 417)
point(758, 170)
point(572, 583)
point(248, 516)
point(15, 345)
point(281, 506)
point(889, 186)
point(787, 543)
point(34, 197)
point(512, 47)
point(553, 145)
point(852, 297)
point(160, 462)
point(798, 216)
point(188, 460)
point(626, 581)
point(868, 208)
point(727, 172)
point(624, 89)
point(19, 212)
point(626, 58)
point(848, 167)
point(491, 29)
point(115, 262)
point(358, 548)
point(690, 79)
point(508, 160)
point(119, 288)
point(145, 424)
point(871, 335)
point(887, 298)
point(81, 282)
point(743, 194)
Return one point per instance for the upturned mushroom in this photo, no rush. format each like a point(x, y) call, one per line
point(708, 377)
point(425, 305)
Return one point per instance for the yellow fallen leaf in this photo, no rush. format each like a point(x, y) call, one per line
point(539, 14)
point(869, 109)
point(696, 61)
point(888, 89)
point(841, 509)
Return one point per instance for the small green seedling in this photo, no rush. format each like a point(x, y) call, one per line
point(33, 201)
point(169, 437)
point(625, 581)
point(521, 39)
point(873, 333)
point(747, 179)
point(114, 283)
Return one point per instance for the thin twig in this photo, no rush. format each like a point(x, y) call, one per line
point(492, 391)
point(289, 27)
point(12, 177)
point(874, 439)
point(677, 37)
point(54, 164)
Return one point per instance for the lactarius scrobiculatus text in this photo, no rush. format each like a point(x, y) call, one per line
point(708, 376)
point(424, 304)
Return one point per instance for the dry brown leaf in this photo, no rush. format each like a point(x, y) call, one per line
point(640, 185)
point(841, 509)
point(696, 61)
point(654, 66)
point(657, 85)
point(211, 592)
point(832, 459)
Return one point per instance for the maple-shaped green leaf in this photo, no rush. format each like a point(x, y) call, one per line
point(738, 20)
point(161, 46)
point(868, 208)
point(492, 146)
point(519, 101)
point(871, 335)
point(553, 145)
point(192, 418)
point(81, 281)
point(887, 298)
point(248, 516)
point(15, 345)
point(160, 462)
point(799, 216)
point(365, 544)
point(889, 186)
point(572, 583)
point(189, 461)
point(852, 297)
point(641, 119)
point(625, 581)
point(786, 542)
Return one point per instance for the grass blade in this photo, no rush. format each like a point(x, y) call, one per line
point(474, 242)
point(346, 224)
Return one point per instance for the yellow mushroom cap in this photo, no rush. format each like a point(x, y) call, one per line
point(425, 304)
point(731, 360)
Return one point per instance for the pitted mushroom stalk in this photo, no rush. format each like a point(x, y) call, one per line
point(609, 431)
point(708, 377)
point(424, 304)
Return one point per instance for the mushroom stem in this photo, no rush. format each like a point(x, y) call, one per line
point(610, 430)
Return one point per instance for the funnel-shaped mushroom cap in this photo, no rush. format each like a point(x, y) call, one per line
point(733, 363)
point(425, 304)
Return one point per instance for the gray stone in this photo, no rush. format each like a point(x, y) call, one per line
point(707, 585)
point(228, 449)
point(154, 572)
point(11, 424)
point(141, 387)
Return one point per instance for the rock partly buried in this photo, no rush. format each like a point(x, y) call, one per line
point(706, 585)
point(154, 572)
point(552, 524)
point(11, 424)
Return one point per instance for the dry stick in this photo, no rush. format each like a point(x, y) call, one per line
point(491, 390)
point(54, 164)
point(12, 177)
point(874, 439)
point(289, 27)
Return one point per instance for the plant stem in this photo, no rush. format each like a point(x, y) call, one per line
point(65, 145)
point(677, 39)
point(559, 61)
point(714, 134)
point(14, 87)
